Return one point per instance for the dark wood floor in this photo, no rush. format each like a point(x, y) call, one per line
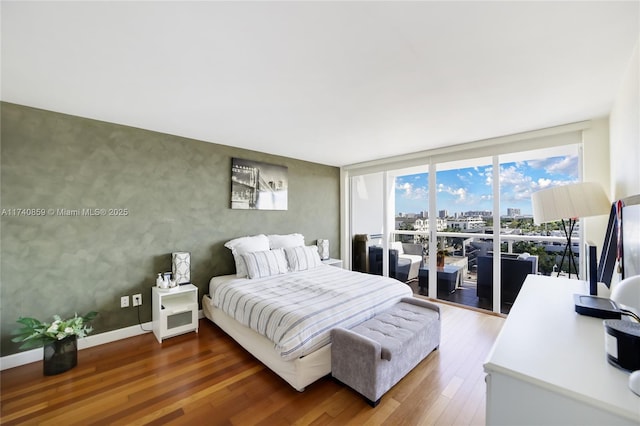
point(206, 378)
point(465, 294)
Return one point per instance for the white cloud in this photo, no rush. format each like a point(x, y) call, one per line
point(514, 184)
point(567, 165)
point(460, 194)
point(544, 183)
point(517, 186)
point(412, 192)
point(465, 178)
point(512, 176)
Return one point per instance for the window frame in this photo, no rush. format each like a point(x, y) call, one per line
point(416, 163)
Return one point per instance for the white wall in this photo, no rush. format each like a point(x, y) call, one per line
point(595, 168)
point(624, 125)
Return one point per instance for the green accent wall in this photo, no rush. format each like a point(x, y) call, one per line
point(176, 193)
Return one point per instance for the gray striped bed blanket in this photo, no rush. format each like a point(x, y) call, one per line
point(297, 310)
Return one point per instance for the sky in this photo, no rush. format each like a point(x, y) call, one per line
point(470, 189)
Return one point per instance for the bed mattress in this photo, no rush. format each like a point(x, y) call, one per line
point(296, 311)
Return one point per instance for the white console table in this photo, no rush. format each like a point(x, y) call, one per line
point(548, 364)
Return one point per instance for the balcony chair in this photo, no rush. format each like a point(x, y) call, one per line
point(513, 271)
point(398, 267)
point(412, 253)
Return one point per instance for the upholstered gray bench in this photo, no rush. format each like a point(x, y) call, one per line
point(374, 355)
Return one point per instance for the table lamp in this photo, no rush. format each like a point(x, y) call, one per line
point(626, 294)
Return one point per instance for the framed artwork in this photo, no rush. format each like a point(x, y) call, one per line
point(258, 186)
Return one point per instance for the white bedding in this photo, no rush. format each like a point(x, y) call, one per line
point(299, 372)
point(296, 311)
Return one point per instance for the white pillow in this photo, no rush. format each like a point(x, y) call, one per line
point(265, 263)
point(242, 245)
point(283, 241)
point(303, 257)
point(397, 245)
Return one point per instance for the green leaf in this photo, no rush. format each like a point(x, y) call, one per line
point(34, 333)
point(90, 316)
point(32, 343)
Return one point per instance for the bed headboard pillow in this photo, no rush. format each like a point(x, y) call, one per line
point(302, 258)
point(265, 263)
point(242, 245)
point(284, 241)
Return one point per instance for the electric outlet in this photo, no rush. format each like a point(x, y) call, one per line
point(124, 302)
point(137, 299)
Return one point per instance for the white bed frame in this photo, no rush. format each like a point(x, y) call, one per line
point(299, 372)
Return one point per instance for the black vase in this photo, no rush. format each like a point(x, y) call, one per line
point(60, 355)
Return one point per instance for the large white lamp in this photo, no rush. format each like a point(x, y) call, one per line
point(567, 203)
point(626, 294)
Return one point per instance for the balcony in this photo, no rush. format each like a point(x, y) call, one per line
point(471, 254)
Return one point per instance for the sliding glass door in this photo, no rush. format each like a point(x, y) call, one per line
point(460, 227)
point(465, 208)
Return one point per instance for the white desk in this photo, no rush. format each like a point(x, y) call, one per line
point(548, 364)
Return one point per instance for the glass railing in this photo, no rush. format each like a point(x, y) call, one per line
point(471, 254)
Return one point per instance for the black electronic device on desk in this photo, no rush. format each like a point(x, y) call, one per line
point(598, 307)
point(592, 305)
point(622, 341)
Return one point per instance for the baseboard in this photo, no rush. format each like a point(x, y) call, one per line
point(34, 355)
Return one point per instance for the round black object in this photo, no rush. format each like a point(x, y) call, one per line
point(623, 343)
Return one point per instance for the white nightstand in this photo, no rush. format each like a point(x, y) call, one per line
point(175, 311)
point(333, 262)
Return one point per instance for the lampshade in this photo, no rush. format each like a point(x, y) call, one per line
point(323, 249)
point(181, 267)
point(569, 201)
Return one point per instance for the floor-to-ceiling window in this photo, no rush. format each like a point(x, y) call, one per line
point(459, 212)
point(526, 247)
point(522, 174)
point(464, 206)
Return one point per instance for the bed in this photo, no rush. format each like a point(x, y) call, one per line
point(284, 320)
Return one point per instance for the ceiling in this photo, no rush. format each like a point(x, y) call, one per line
point(335, 83)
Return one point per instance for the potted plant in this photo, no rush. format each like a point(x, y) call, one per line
point(441, 254)
point(58, 338)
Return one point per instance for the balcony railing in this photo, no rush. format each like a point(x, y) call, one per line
point(549, 241)
point(546, 262)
